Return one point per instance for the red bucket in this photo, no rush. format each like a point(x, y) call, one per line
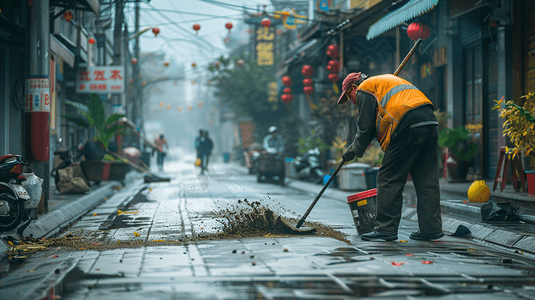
point(531, 182)
point(362, 207)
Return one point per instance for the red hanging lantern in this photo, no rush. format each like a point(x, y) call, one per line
point(240, 62)
point(308, 90)
point(307, 81)
point(155, 30)
point(307, 71)
point(333, 66)
point(196, 27)
point(287, 90)
point(266, 22)
point(228, 25)
point(333, 77)
point(68, 16)
point(286, 80)
point(332, 51)
point(217, 63)
point(134, 61)
point(91, 41)
point(418, 31)
point(287, 98)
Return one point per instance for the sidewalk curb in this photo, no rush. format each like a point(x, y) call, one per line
point(482, 231)
point(53, 222)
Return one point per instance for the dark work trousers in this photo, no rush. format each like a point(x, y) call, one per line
point(414, 151)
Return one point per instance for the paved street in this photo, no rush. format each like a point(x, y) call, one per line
point(167, 244)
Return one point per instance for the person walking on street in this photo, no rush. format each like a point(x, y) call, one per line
point(402, 119)
point(160, 142)
point(197, 146)
point(205, 146)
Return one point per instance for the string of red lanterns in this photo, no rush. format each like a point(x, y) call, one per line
point(287, 96)
point(155, 30)
point(68, 16)
point(307, 71)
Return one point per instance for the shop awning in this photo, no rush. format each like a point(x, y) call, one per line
point(407, 12)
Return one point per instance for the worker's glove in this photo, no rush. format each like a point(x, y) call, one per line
point(349, 154)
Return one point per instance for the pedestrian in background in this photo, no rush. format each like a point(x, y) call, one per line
point(401, 118)
point(160, 142)
point(198, 148)
point(205, 146)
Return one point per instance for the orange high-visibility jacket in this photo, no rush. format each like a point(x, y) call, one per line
point(395, 97)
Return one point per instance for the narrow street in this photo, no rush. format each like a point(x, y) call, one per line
point(163, 241)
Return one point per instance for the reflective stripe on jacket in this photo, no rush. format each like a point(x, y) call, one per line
point(395, 97)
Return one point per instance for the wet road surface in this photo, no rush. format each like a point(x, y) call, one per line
point(151, 251)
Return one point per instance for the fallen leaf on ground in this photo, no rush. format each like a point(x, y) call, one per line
point(137, 234)
point(426, 262)
point(94, 214)
point(30, 271)
point(396, 264)
point(408, 254)
point(157, 241)
point(54, 256)
point(403, 241)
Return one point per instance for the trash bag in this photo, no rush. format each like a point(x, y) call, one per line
point(32, 185)
point(68, 184)
point(493, 211)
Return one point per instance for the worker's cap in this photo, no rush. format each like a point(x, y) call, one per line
point(348, 81)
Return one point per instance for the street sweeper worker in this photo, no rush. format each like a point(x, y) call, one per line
point(401, 117)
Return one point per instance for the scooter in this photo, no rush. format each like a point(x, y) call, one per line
point(12, 194)
point(308, 166)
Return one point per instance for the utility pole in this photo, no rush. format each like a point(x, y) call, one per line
point(37, 125)
point(117, 40)
point(138, 105)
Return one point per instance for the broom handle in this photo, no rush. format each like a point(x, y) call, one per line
point(129, 162)
point(320, 194)
point(406, 59)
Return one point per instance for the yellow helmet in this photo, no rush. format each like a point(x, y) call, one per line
point(198, 162)
point(478, 192)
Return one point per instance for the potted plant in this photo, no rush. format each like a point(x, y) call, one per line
point(92, 116)
point(460, 149)
point(519, 126)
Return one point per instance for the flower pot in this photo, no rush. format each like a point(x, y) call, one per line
point(458, 169)
point(93, 150)
point(100, 170)
point(531, 182)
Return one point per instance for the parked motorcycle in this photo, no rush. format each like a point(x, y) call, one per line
point(308, 167)
point(13, 195)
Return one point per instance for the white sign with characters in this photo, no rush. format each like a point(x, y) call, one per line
point(37, 95)
point(100, 79)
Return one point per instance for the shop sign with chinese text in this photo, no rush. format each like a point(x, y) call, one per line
point(265, 46)
point(100, 79)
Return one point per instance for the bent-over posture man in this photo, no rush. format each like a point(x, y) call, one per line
point(401, 118)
